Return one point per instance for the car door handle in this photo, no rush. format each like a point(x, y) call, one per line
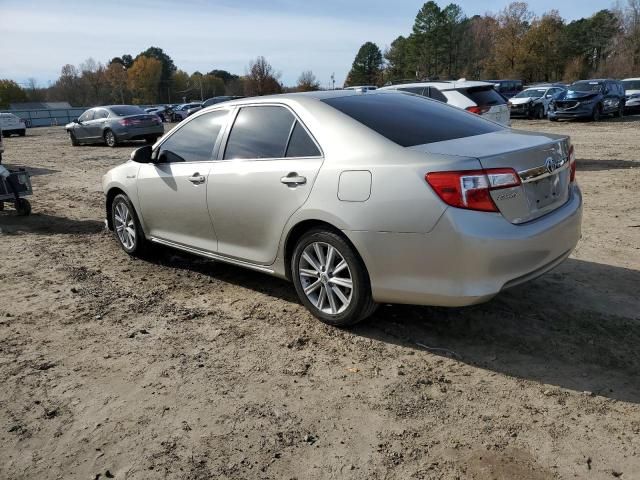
point(196, 178)
point(294, 179)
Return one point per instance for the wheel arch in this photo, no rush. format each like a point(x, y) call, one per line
point(111, 194)
point(299, 229)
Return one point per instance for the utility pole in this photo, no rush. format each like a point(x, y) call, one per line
point(333, 81)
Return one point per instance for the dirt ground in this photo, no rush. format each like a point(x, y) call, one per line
point(183, 368)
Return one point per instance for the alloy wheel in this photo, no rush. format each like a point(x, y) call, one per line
point(326, 278)
point(124, 225)
point(110, 138)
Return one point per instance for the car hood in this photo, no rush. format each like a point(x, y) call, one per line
point(521, 100)
point(570, 95)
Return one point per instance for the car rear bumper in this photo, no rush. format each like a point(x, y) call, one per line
point(468, 257)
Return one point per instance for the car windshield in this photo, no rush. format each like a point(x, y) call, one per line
point(531, 93)
point(585, 87)
point(126, 110)
point(631, 84)
point(410, 120)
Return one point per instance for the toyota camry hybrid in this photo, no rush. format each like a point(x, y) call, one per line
point(358, 198)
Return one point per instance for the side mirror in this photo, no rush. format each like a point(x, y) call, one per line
point(75, 120)
point(142, 154)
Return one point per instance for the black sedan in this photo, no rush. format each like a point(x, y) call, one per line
point(115, 124)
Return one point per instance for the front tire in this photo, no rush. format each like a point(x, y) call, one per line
point(597, 113)
point(331, 279)
point(73, 139)
point(110, 138)
point(620, 112)
point(22, 132)
point(126, 226)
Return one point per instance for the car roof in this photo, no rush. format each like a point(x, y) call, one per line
point(441, 85)
point(633, 78)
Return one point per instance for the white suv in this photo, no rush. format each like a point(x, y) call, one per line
point(11, 124)
point(480, 98)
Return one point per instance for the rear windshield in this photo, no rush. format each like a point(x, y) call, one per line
point(125, 110)
point(483, 96)
point(410, 120)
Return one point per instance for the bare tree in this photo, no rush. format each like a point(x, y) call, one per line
point(307, 82)
point(261, 79)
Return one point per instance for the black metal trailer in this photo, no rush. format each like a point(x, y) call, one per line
point(21, 182)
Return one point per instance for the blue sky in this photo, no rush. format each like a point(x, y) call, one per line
point(202, 35)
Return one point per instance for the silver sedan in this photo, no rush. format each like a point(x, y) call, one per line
point(358, 198)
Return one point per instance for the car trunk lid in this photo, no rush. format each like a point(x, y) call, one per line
point(541, 161)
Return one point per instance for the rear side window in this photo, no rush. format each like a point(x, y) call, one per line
point(410, 120)
point(416, 90)
point(437, 94)
point(484, 96)
point(301, 144)
point(194, 142)
point(260, 132)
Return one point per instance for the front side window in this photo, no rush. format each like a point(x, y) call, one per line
point(86, 116)
point(194, 141)
point(410, 120)
point(260, 132)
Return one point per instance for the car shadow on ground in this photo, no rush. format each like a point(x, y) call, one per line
point(43, 224)
point(597, 165)
point(565, 329)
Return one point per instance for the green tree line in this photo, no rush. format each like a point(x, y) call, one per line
point(444, 43)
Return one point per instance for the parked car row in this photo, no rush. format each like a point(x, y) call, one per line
point(500, 100)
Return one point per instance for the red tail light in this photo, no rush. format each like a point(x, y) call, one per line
point(478, 110)
point(572, 163)
point(126, 122)
point(471, 189)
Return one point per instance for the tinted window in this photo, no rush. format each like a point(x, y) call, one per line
point(301, 144)
point(259, 132)
point(416, 90)
point(437, 94)
point(86, 116)
point(409, 120)
point(195, 141)
point(125, 110)
point(484, 96)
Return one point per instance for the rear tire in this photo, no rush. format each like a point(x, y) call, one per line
point(331, 279)
point(23, 207)
point(126, 226)
point(110, 138)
